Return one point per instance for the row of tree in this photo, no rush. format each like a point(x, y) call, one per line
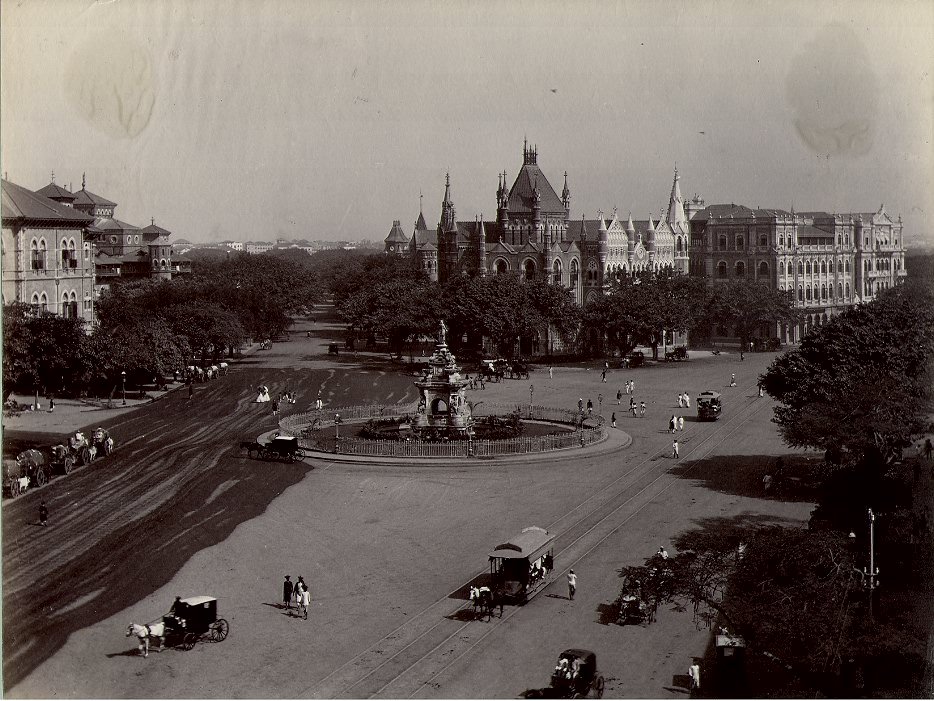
point(382, 296)
point(149, 329)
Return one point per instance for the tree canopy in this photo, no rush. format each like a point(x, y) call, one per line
point(861, 384)
point(746, 307)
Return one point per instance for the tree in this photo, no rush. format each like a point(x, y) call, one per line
point(860, 386)
point(747, 307)
point(42, 351)
point(793, 595)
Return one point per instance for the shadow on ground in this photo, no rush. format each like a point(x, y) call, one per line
point(743, 475)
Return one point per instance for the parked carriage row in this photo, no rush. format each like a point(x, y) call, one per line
point(32, 468)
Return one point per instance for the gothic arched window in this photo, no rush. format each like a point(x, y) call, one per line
point(721, 269)
point(740, 269)
point(556, 272)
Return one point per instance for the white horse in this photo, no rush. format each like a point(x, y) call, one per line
point(144, 633)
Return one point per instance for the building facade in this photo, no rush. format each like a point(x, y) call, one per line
point(47, 254)
point(825, 262)
point(535, 235)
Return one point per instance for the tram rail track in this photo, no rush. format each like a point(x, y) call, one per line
point(389, 669)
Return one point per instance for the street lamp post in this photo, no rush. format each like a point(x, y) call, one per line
point(600, 403)
point(871, 575)
point(123, 385)
point(531, 393)
point(337, 429)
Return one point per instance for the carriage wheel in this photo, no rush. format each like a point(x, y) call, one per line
point(15, 489)
point(41, 477)
point(598, 685)
point(67, 464)
point(108, 448)
point(84, 457)
point(219, 630)
point(290, 457)
point(300, 454)
point(189, 641)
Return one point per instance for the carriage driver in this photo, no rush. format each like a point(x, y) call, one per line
point(172, 618)
point(563, 667)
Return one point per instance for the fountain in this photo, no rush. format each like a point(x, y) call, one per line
point(442, 411)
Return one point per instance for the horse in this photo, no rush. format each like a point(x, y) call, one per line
point(144, 633)
point(482, 599)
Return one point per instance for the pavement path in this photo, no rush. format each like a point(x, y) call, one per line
point(386, 549)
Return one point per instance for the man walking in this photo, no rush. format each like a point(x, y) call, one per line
point(680, 401)
point(613, 420)
point(694, 674)
point(572, 584)
point(672, 424)
point(674, 449)
point(680, 423)
point(619, 396)
point(603, 375)
point(632, 407)
point(551, 373)
point(287, 589)
point(687, 400)
point(732, 379)
point(589, 406)
point(642, 410)
point(191, 390)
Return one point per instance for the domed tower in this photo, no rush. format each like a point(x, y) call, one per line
point(160, 251)
point(396, 242)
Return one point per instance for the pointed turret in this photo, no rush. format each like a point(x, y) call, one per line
point(448, 221)
point(481, 247)
point(676, 217)
point(603, 243)
point(630, 240)
point(566, 194)
point(650, 236)
point(420, 224)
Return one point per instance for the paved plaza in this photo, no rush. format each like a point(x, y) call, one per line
point(387, 549)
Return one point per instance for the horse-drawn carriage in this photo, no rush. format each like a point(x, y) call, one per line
point(677, 354)
point(519, 370)
point(28, 470)
point(187, 623)
point(576, 674)
point(279, 448)
point(520, 567)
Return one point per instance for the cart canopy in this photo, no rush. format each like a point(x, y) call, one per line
point(530, 544)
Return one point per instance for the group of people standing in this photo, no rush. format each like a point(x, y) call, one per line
point(296, 593)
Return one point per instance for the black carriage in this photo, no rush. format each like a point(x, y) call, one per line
point(278, 448)
point(677, 354)
point(519, 370)
point(522, 566)
point(576, 674)
point(333, 349)
point(636, 359)
point(193, 620)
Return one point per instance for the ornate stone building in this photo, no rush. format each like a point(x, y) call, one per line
point(535, 235)
point(46, 253)
point(827, 262)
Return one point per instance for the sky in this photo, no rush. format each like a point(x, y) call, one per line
point(252, 120)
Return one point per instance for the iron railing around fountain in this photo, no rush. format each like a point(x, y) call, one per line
point(590, 431)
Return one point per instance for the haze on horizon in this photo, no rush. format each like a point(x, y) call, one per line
point(325, 120)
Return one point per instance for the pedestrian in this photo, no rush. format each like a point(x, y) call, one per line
point(603, 375)
point(767, 483)
point(680, 423)
point(551, 373)
point(572, 584)
point(302, 597)
point(580, 405)
point(43, 514)
point(694, 674)
point(613, 420)
point(642, 410)
point(672, 424)
point(662, 553)
point(632, 406)
point(590, 406)
point(191, 390)
point(732, 379)
point(51, 403)
point(619, 396)
point(741, 356)
point(674, 449)
point(680, 401)
point(275, 407)
point(687, 400)
point(928, 448)
point(287, 589)
point(632, 386)
point(760, 390)
point(628, 388)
